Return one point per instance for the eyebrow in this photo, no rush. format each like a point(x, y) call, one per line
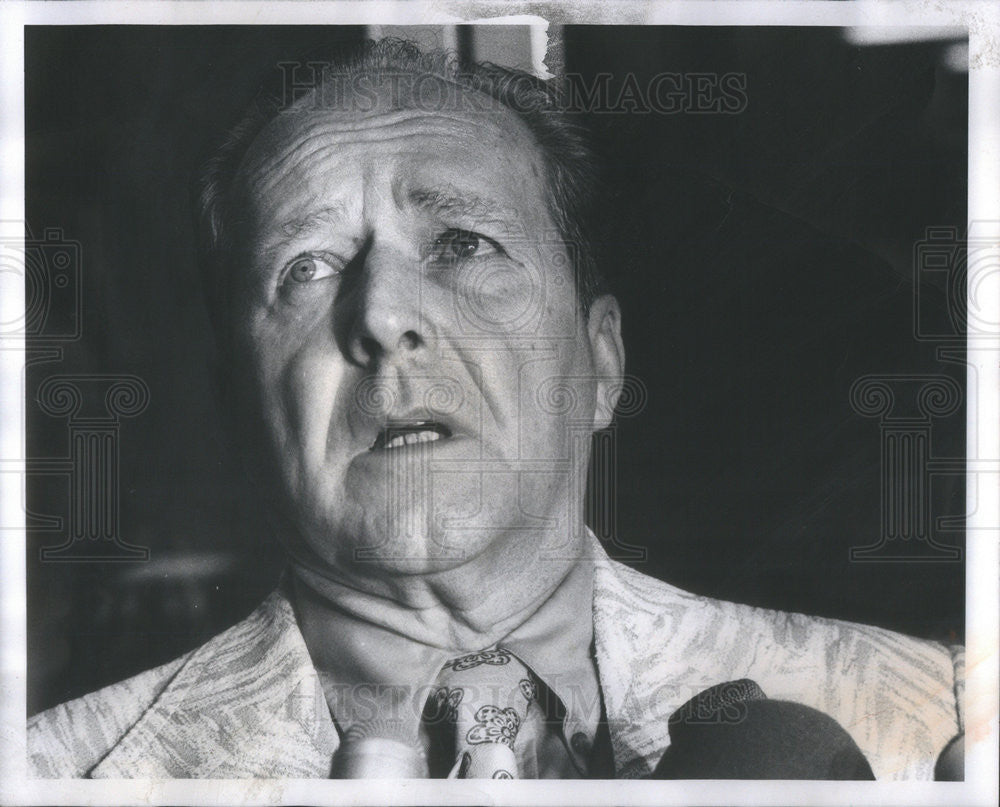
point(442, 201)
point(450, 201)
point(293, 228)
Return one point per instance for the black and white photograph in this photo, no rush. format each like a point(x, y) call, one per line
point(565, 397)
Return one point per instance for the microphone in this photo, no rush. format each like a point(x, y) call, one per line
point(950, 765)
point(732, 731)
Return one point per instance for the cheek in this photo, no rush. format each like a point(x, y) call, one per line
point(273, 336)
point(291, 370)
point(499, 297)
point(307, 385)
point(259, 360)
point(558, 394)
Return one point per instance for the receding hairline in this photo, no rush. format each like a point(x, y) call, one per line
point(280, 134)
point(283, 126)
point(409, 80)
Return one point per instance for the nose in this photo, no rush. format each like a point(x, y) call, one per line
point(387, 323)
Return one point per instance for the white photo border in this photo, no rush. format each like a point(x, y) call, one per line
point(982, 19)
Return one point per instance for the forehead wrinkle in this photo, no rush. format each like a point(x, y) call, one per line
point(313, 133)
point(304, 156)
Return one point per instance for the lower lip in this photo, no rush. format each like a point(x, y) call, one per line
point(369, 472)
point(414, 447)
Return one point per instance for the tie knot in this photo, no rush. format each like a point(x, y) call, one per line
point(498, 658)
point(499, 669)
point(492, 687)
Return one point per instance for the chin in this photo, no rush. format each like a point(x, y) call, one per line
point(404, 543)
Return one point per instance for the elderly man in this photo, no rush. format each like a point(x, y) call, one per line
point(419, 347)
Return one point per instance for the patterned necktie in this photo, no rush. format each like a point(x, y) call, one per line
point(486, 702)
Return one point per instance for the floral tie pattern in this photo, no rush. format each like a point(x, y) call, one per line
point(482, 700)
point(494, 725)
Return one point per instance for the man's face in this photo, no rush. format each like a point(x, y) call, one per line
point(409, 335)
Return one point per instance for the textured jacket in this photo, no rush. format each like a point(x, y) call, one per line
point(248, 703)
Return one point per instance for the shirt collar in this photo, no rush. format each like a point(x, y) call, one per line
point(555, 642)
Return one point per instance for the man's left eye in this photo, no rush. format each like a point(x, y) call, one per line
point(455, 244)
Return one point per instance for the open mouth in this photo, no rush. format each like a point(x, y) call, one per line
point(399, 435)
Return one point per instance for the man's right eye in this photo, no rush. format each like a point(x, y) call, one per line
point(307, 268)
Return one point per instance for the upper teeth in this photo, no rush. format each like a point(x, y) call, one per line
point(409, 438)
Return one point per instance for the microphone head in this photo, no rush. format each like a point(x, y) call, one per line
point(950, 765)
point(732, 731)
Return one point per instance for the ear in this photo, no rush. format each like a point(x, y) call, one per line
point(604, 329)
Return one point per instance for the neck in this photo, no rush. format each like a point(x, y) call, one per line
point(461, 609)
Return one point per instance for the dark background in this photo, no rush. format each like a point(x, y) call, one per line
point(764, 261)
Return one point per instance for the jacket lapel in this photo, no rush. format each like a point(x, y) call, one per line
point(646, 634)
point(622, 624)
point(246, 704)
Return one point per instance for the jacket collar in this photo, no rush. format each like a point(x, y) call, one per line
point(259, 706)
point(630, 628)
point(256, 700)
